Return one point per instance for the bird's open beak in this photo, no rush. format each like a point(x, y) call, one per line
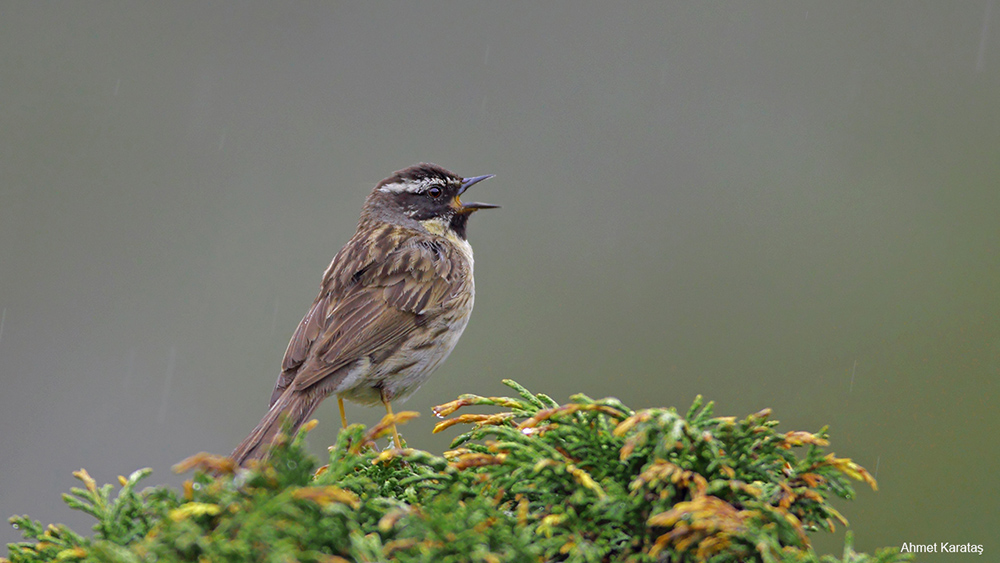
point(470, 207)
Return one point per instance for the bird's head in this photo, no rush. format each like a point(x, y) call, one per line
point(427, 194)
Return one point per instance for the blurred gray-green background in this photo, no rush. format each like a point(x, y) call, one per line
point(790, 205)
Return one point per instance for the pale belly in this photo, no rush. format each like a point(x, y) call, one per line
point(400, 376)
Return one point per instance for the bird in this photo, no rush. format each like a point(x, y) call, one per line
point(392, 305)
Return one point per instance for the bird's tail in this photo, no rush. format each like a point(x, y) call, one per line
point(292, 408)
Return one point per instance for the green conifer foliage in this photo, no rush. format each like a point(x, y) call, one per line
point(532, 481)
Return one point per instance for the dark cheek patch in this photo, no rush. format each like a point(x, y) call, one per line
point(411, 205)
point(421, 207)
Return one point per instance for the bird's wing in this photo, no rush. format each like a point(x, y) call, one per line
point(302, 340)
point(369, 309)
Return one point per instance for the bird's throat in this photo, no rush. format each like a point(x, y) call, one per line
point(442, 227)
point(451, 228)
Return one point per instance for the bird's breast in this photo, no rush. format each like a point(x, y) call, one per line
point(437, 331)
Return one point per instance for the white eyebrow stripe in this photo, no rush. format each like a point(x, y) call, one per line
point(412, 186)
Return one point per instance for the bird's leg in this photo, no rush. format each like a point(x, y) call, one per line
point(388, 409)
point(343, 415)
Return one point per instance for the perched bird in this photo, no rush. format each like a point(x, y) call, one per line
point(391, 307)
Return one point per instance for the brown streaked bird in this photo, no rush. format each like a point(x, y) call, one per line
point(391, 307)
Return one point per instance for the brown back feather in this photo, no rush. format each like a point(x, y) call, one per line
point(372, 297)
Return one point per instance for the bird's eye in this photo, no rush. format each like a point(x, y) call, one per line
point(434, 192)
